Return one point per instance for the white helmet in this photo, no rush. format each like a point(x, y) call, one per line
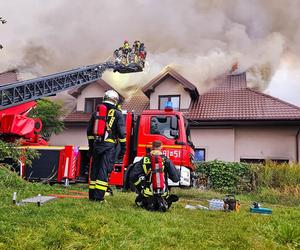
point(111, 96)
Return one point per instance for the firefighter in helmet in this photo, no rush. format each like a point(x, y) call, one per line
point(150, 176)
point(125, 51)
point(136, 47)
point(106, 128)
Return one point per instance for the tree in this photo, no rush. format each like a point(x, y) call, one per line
point(12, 151)
point(51, 114)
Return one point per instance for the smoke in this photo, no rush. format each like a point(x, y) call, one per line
point(200, 39)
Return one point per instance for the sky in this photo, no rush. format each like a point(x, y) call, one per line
point(199, 39)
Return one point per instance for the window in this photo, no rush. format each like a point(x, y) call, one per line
point(91, 104)
point(163, 99)
point(199, 154)
point(164, 125)
point(254, 161)
point(263, 161)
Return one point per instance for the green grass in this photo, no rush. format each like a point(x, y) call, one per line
point(119, 224)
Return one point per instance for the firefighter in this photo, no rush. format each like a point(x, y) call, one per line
point(102, 143)
point(136, 46)
point(142, 53)
point(125, 51)
point(150, 176)
point(136, 50)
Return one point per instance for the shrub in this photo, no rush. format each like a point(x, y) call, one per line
point(236, 176)
point(272, 175)
point(226, 176)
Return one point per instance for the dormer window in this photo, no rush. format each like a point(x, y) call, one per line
point(163, 99)
point(91, 104)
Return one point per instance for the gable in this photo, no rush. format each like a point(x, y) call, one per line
point(170, 83)
point(167, 72)
point(171, 87)
point(92, 90)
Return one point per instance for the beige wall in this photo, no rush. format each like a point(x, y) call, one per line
point(228, 144)
point(218, 143)
point(92, 90)
point(170, 87)
point(232, 144)
point(265, 143)
point(70, 136)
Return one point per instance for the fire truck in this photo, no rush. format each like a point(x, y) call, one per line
point(70, 163)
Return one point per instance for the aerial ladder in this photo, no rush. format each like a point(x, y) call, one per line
point(25, 91)
point(18, 98)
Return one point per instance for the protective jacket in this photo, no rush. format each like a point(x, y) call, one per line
point(102, 149)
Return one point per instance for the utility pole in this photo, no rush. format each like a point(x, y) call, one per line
point(3, 21)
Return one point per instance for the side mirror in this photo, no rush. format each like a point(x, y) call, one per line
point(174, 123)
point(174, 133)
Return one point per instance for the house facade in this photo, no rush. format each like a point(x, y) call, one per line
point(229, 122)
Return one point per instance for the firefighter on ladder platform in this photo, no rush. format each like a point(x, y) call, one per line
point(150, 176)
point(105, 129)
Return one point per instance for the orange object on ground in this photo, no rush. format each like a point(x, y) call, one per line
point(69, 196)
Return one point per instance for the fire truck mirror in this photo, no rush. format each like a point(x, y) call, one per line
point(174, 123)
point(174, 133)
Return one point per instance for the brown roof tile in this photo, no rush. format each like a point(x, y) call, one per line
point(8, 77)
point(78, 116)
point(137, 103)
point(229, 100)
point(232, 100)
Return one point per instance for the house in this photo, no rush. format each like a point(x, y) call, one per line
point(230, 121)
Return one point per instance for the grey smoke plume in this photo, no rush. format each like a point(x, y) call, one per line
point(201, 39)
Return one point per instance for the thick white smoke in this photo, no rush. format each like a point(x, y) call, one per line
point(201, 39)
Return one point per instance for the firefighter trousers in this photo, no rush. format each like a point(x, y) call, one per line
point(102, 164)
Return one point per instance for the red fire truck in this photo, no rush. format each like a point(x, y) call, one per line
point(168, 126)
point(70, 163)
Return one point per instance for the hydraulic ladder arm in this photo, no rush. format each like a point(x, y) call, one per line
point(24, 91)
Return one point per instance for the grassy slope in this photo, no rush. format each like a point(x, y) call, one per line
point(118, 224)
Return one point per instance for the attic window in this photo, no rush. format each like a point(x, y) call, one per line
point(91, 104)
point(163, 99)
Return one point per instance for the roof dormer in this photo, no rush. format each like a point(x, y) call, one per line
point(170, 86)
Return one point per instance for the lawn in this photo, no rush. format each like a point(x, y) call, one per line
point(119, 224)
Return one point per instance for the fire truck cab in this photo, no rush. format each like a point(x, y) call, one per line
point(172, 129)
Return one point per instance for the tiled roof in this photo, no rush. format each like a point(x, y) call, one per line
point(78, 116)
point(229, 100)
point(232, 100)
point(137, 103)
point(8, 77)
point(169, 72)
